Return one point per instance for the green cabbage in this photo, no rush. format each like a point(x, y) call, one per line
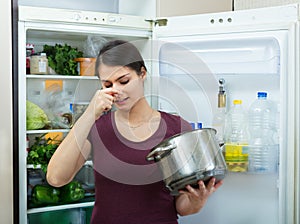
point(36, 118)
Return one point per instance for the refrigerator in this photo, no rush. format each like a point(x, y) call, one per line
point(252, 50)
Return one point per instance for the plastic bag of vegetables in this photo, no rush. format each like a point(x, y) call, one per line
point(57, 107)
point(36, 118)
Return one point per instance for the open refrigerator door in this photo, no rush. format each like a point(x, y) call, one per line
point(252, 51)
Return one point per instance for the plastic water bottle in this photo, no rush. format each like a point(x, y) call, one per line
point(196, 125)
point(236, 138)
point(263, 149)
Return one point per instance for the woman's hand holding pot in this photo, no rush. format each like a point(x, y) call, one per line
point(191, 200)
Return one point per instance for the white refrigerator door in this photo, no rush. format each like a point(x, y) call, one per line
point(252, 50)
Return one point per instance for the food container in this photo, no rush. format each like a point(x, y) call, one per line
point(39, 64)
point(189, 157)
point(77, 109)
point(86, 66)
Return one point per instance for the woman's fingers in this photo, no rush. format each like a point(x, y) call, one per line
point(211, 185)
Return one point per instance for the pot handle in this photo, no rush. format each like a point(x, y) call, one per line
point(160, 152)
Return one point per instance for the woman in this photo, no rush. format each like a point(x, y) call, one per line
point(128, 189)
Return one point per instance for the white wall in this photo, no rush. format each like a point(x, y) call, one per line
point(167, 8)
point(91, 5)
point(145, 8)
point(6, 149)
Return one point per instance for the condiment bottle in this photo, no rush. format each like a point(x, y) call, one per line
point(218, 122)
point(236, 138)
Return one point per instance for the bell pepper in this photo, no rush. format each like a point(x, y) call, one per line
point(45, 195)
point(72, 192)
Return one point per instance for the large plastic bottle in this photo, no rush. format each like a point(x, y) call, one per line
point(263, 147)
point(236, 138)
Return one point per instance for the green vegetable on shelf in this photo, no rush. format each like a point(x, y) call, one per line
point(41, 151)
point(61, 58)
point(72, 192)
point(36, 118)
point(45, 195)
point(48, 195)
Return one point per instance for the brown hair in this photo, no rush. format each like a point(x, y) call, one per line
point(120, 53)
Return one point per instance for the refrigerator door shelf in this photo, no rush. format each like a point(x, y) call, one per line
point(234, 55)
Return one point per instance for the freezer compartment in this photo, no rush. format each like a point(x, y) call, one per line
point(221, 56)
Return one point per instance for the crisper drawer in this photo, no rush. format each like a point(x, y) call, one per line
point(70, 216)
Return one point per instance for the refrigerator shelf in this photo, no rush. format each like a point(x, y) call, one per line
point(60, 207)
point(62, 77)
point(32, 132)
point(31, 166)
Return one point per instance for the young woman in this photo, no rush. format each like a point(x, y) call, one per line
point(128, 189)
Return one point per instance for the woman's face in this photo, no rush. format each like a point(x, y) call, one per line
point(127, 81)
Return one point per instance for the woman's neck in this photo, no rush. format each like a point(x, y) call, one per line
point(140, 112)
point(139, 123)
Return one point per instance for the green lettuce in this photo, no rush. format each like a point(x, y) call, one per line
point(36, 118)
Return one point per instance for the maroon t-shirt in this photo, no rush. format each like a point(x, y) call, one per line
point(129, 189)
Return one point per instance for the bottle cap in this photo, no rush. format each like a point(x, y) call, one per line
point(261, 94)
point(193, 125)
point(237, 102)
point(199, 125)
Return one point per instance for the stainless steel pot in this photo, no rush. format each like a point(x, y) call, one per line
point(189, 157)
